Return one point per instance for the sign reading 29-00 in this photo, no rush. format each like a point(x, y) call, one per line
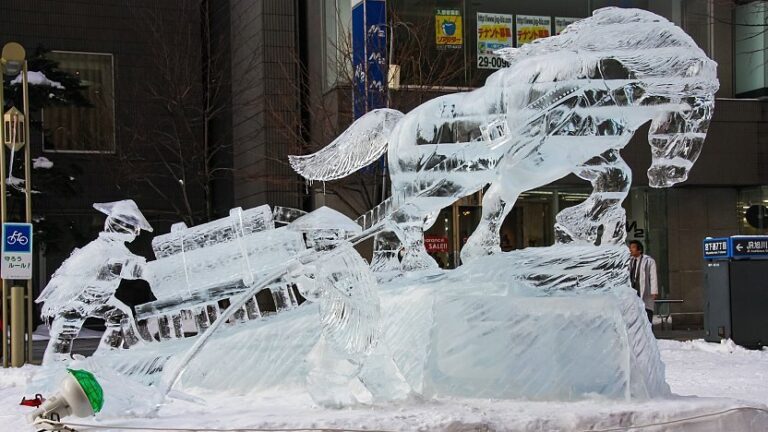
point(494, 32)
point(17, 251)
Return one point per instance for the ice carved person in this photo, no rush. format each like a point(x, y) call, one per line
point(85, 284)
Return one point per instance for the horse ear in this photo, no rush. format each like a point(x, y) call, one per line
point(613, 69)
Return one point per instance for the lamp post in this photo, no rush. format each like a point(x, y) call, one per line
point(14, 133)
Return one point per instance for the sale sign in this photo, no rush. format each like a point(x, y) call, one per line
point(436, 244)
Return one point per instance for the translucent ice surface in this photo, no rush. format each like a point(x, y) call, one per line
point(244, 306)
point(566, 104)
point(85, 284)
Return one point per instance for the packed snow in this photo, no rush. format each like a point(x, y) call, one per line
point(717, 370)
point(710, 371)
point(42, 162)
point(37, 78)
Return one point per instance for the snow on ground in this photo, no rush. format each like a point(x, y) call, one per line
point(717, 370)
point(711, 371)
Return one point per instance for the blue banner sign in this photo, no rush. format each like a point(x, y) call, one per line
point(369, 55)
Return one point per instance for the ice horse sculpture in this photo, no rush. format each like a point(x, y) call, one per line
point(551, 323)
point(566, 104)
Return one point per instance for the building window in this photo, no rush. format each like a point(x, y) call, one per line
point(750, 45)
point(337, 47)
point(752, 210)
point(83, 129)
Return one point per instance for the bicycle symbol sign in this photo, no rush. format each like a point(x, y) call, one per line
point(17, 238)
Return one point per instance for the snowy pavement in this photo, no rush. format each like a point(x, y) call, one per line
point(723, 376)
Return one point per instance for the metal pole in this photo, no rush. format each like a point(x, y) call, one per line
point(28, 199)
point(5, 324)
point(455, 234)
point(2, 217)
point(17, 326)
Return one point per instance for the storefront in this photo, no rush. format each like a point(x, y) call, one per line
point(530, 223)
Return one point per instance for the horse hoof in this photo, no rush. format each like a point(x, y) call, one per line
point(416, 262)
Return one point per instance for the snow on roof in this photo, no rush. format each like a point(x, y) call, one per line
point(37, 78)
point(42, 163)
point(325, 218)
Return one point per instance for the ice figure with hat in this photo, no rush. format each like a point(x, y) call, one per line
point(85, 284)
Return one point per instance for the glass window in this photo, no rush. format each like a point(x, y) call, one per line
point(752, 211)
point(750, 45)
point(83, 129)
point(337, 27)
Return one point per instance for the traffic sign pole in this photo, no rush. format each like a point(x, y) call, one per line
point(17, 326)
point(2, 216)
point(13, 301)
point(28, 200)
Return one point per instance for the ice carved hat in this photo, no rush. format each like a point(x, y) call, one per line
point(325, 218)
point(125, 211)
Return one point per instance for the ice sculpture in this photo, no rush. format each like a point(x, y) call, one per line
point(566, 104)
point(85, 284)
point(324, 227)
point(296, 306)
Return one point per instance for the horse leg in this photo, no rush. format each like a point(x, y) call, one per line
point(497, 203)
point(386, 245)
point(408, 224)
point(600, 219)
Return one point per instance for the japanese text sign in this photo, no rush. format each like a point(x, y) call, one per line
point(17, 251)
point(494, 32)
point(562, 22)
point(448, 28)
point(532, 27)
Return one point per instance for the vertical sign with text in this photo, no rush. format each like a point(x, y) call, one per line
point(17, 251)
point(369, 55)
point(532, 27)
point(449, 29)
point(562, 22)
point(494, 32)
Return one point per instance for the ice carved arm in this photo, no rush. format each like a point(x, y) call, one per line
point(134, 267)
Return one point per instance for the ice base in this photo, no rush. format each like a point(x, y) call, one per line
point(496, 349)
point(537, 324)
point(536, 348)
point(512, 326)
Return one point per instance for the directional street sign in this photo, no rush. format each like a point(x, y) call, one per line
point(16, 251)
point(716, 248)
point(752, 246)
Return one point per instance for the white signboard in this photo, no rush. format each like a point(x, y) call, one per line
point(494, 32)
point(562, 22)
point(17, 251)
point(532, 27)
